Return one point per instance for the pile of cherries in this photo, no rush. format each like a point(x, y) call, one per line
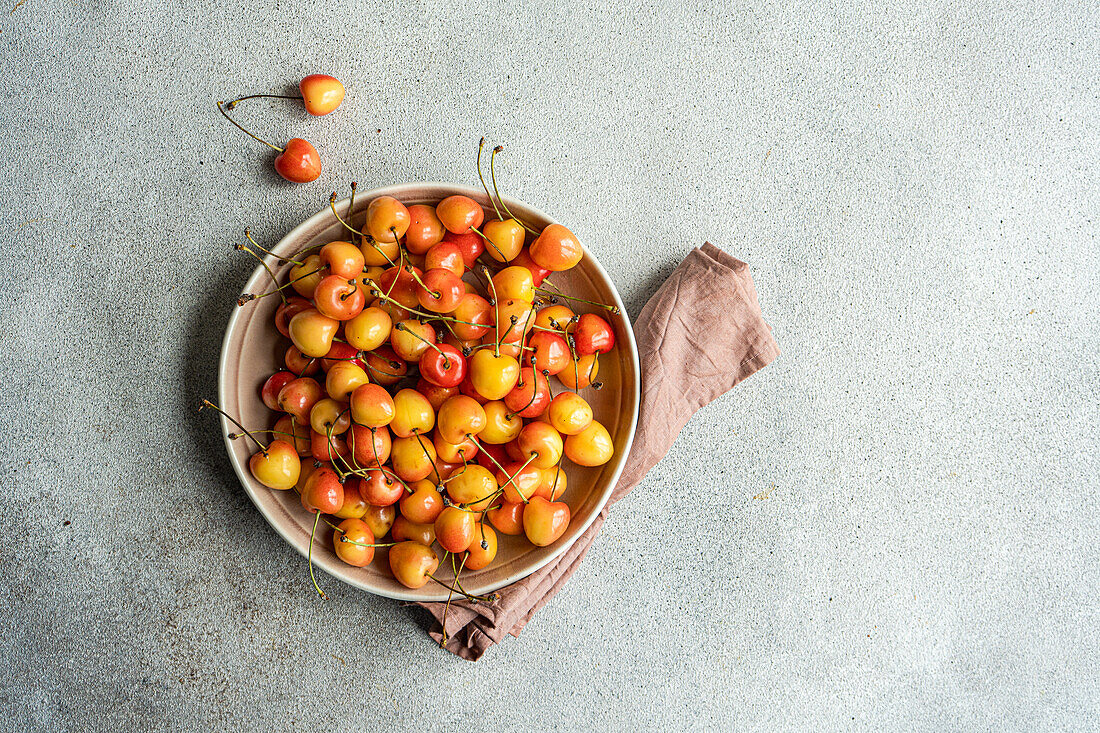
point(432, 385)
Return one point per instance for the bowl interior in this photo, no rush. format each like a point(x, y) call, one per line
point(253, 349)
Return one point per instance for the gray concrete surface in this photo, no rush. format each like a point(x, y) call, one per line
point(894, 527)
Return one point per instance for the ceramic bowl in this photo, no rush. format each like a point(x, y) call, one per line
point(253, 349)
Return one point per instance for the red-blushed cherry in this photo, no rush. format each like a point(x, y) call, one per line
point(501, 426)
point(483, 550)
point(413, 414)
point(412, 564)
point(354, 506)
point(277, 467)
point(406, 530)
point(339, 298)
point(444, 468)
point(411, 338)
point(436, 395)
point(556, 249)
point(507, 518)
point(352, 540)
point(305, 275)
point(492, 456)
point(454, 529)
point(545, 521)
point(312, 332)
point(467, 388)
point(570, 413)
point(378, 487)
point(590, 447)
point(299, 364)
point(293, 306)
point(519, 481)
point(514, 451)
point(580, 373)
point(541, 443)
point(423, 505)
point(470, 244)
point(514, 320)
point(343, 379)
point(379, 519)
point(441, 292)
point(343, 259)
point(298, 435)
point(321, 93)
point(269, 393)
point(531, 394)
point(558, 317)
point(298, 162)
point(473, 486)
point(477, 314)
point(340, 352)
point(459, 213)
point(459, 417)
point(413, 458)
point(425, 229)
point(553, 484)
point(538, 272)
point(384, 366)
point(453, 453)
point(369, 446)
point(444, 365)
point(329, 416)
point(593, 335)
point(372, 406)
point(327, 449)
point(514, 283)
point(505, 239)
point(402, 284)
point(298, 397)
point(551, 352)
point(323, 492)
point(493, 375)
point(384, 214)
point(368, 330)
point(445, 256)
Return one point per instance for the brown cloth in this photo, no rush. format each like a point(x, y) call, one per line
point(698, 336)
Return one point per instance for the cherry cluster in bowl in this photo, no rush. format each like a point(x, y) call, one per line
point(432, 385)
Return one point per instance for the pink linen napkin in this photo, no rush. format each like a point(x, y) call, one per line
point(698, 336)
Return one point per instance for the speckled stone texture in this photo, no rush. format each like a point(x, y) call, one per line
point(894, 526)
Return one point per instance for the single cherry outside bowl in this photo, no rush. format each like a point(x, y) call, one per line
point(253, 349)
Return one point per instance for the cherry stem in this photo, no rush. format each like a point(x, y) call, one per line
point(493, 174)
point(246, 431)
point(446, 360)
point(257, 245)
point(349, 227)
point(534, 394)
point(420, 442)
point(496, 308)
point(481, 175)
point(274, 280)
point(344, 539)
point(491, 243)
point(447, 608)
point(249, 296)
point(309, 558)
point(246, 132)
point(231, 105)
point(558, 294)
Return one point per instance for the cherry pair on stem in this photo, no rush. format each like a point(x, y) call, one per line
point(298, 161)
